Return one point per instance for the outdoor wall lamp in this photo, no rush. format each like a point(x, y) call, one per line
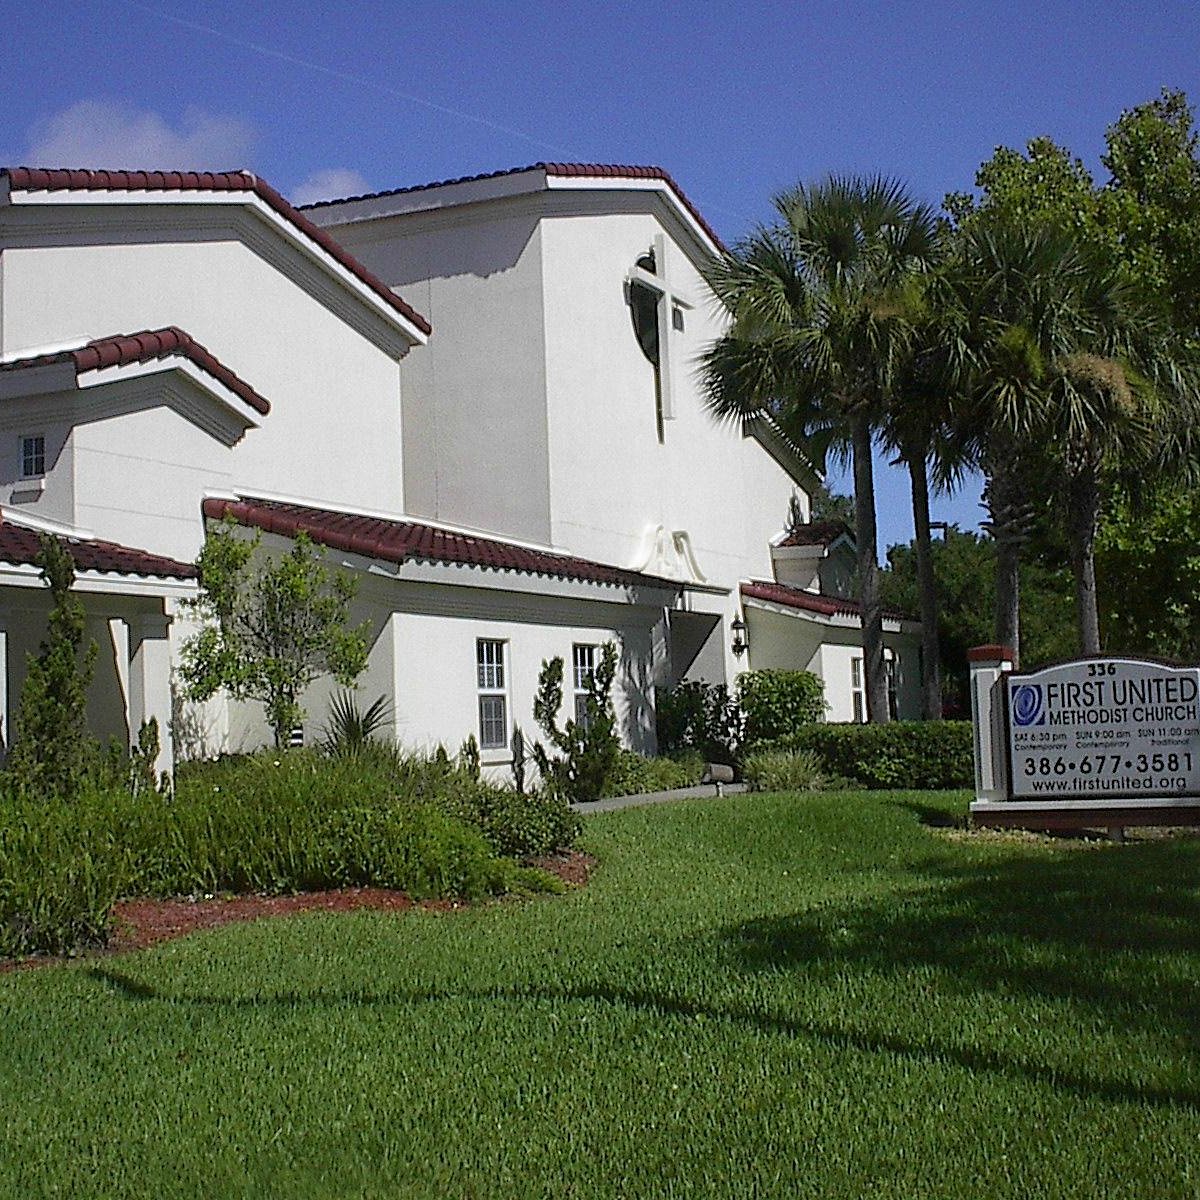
point(740, 642)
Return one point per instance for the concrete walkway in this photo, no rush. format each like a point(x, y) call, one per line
point(614, 802)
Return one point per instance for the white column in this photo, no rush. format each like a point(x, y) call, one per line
point(150, 681)
point(989, 665)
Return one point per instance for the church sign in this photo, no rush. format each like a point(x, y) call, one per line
point(1102, 742)
point(1104, 728)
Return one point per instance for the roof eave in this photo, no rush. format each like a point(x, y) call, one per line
point(415, 330)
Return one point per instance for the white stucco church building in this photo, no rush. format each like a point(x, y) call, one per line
point(479, 395)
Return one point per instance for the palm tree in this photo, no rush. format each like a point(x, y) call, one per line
point(819, 323)
point(1063, 375)
point(1002, 304)
point(1116, 405)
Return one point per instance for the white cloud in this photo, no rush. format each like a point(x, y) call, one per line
point(333, 183)
point(106, 134)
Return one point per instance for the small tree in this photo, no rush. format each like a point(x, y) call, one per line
point(589, 747)
point(273, 629)
point(52, 747)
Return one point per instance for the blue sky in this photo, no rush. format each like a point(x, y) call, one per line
point(736, 101)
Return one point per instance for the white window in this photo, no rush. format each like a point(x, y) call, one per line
point(493, 694)
point(583, 662)
point(858, 694)
point(33, 456)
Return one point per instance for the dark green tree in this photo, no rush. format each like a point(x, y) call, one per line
point(820, 319)
point(1118, 391)
point(273, 626)
point(964, 566)
point(52, 749)
point(588, 748)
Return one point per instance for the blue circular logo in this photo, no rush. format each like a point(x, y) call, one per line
point(1027, 705)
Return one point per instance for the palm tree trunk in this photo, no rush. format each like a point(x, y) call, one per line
point(1007, 524)
point(1084, 515)
point(868, 569)
point(931, 684)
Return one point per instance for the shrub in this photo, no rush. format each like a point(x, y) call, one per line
point(269, 823)
point(907, 754)
point(521, 825)
point(632, 774)
point(588, 748)
point(53, 751)
point(782, 771)
point(518, 824)
point(349, 727)
point(699, 716)
point(777, 704)
point(61, 869)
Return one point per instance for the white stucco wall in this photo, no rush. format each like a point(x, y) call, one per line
point(422, 639)
point(610, 477)
point(791, 643)
point(51, 497)
point(442, 706)
point(143, 473)
point(334, 430)
point(475, 449)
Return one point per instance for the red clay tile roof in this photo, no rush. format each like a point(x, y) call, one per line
point(123, 349)
point(827, 606)
point(398, 541)
point(37, 179)
point(562, 170)
point(819, 533)
point(20, 545)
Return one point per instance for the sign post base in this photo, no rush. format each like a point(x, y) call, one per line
point(1066, 815)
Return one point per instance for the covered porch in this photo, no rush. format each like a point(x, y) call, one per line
point(128, 597)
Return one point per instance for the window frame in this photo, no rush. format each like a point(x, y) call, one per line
point(35, 456)
point(581, 679)
point(858, 685)
point(491, 685)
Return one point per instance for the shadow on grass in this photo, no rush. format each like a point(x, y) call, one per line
point(830, 1034)
point(1114, 928)
point(936, 818)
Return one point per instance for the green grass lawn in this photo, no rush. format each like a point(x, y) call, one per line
point(761, 996)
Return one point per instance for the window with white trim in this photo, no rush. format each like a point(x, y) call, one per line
point(33, 456)
point(583, 666)
point(858, 696)
point(493, 693)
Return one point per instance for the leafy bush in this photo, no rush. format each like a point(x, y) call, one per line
point(907, 754)
point(587, 748)
point(269, 823)
point(632, 774)
point(61, 869)
point(53, 751)
point(779, 703)
point(518, 824)
point(699, 716)
point(782, 771)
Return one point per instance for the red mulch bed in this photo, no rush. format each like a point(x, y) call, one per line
point(141, 923)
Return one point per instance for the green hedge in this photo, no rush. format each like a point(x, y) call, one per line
point(633, 775)
point(779, 703)
point(901, 754)
point(292, 822)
